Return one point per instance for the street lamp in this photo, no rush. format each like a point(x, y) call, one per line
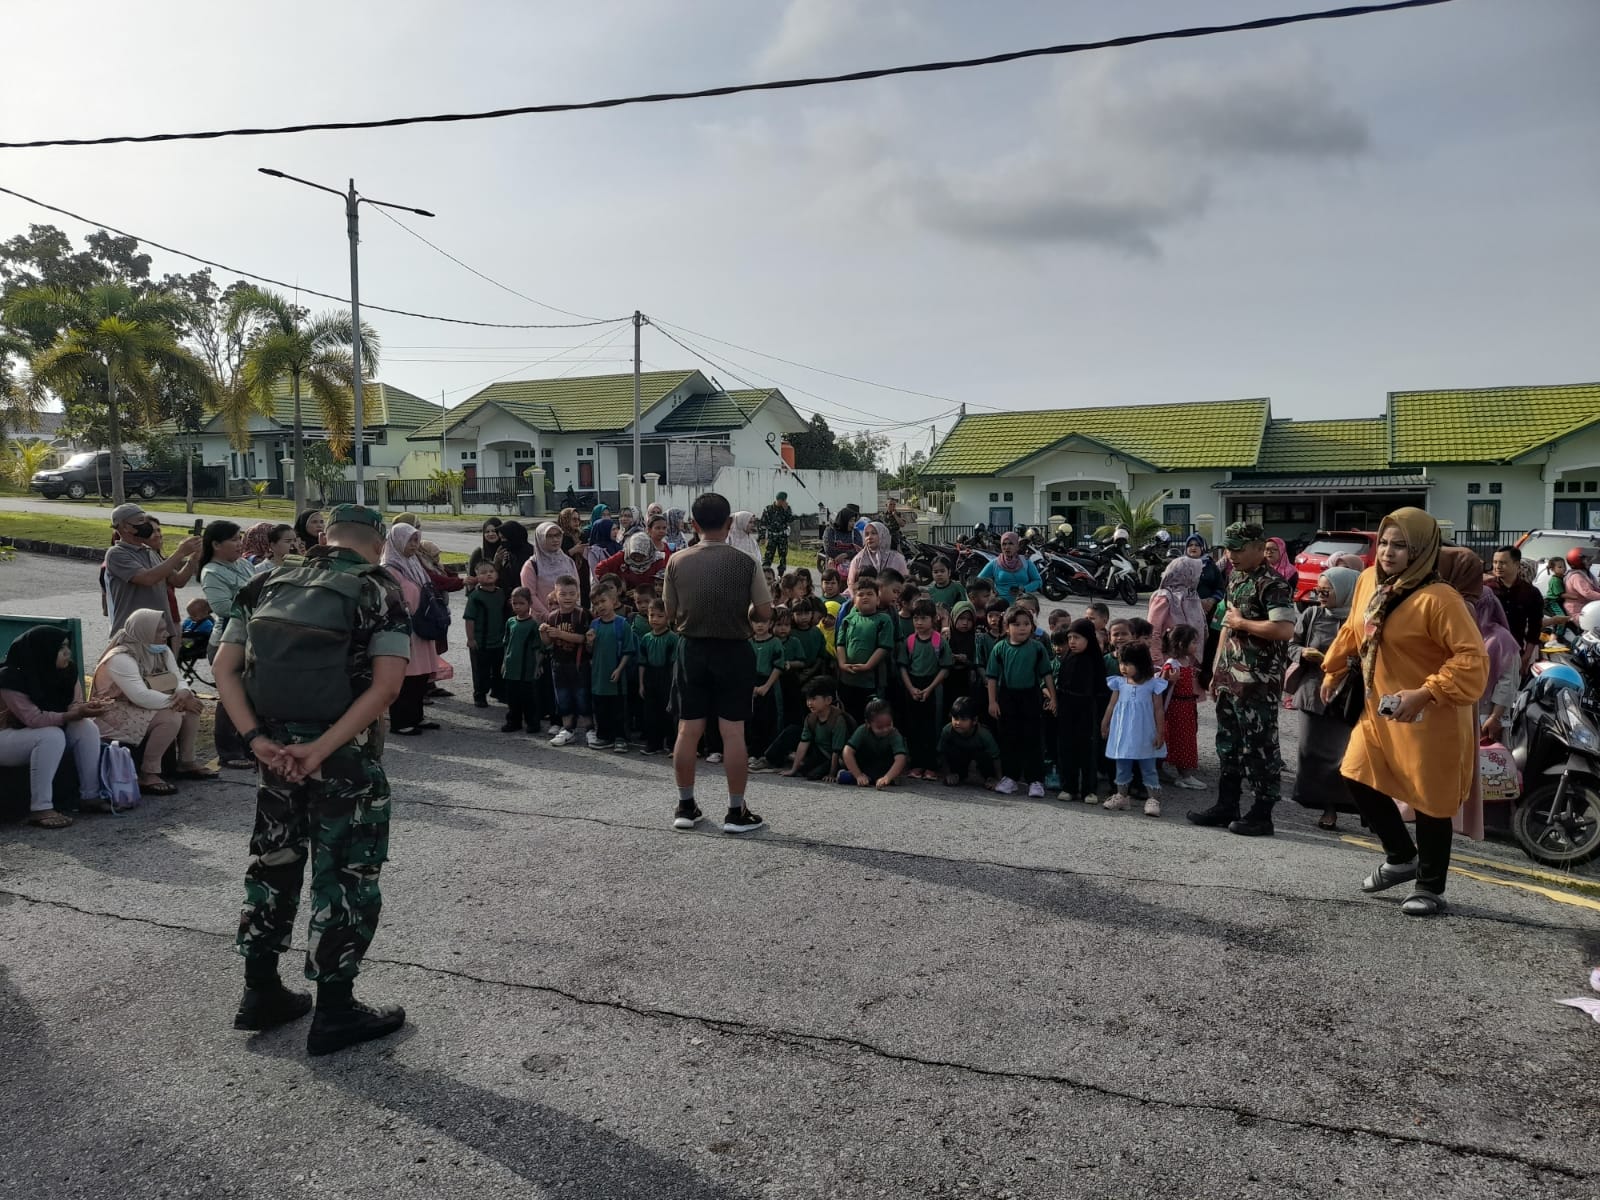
point(352, 203)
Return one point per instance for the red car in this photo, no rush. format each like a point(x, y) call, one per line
point(1313, 560)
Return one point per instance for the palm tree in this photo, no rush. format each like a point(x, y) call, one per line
point(20, 396)
point(116, 343)
point(282, 344)
point(1138, 519)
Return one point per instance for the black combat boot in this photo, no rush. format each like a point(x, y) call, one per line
point(1255, 823)
point(342, 1021)
point(1226, 809)
point(266, 1003)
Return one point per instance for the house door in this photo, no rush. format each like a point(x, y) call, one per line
point(586, 476)
point(470, 472)
point(1000, 518)
point(1175, 516)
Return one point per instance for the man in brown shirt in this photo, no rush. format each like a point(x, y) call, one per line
point(711, 591)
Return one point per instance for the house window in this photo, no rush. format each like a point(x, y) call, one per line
point(1183, 493)
point(1590, 486)
point(1494, 489)
point(1560, 487)
point(521, 455)
point(1474, 488)
point(469, 456)
point(1008, 496)
point(547, 452)
point(1070, 496)
point(1055, 495)
point(1483, 516)
point(994, 497)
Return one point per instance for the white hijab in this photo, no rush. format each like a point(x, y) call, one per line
point(145, 628)
point(397, 560)
point(549, 565)
point(740, 536)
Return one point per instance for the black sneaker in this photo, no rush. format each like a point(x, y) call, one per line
point(269, 1007)
point(741, 820)
point(336, 1028)
point(687, 816)
point(480, 702)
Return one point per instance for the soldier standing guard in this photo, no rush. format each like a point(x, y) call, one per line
point(1247, 684)
point(775, 521)
point(308, 674)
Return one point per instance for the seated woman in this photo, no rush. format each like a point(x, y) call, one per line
point(138, 677)
point(40, 717)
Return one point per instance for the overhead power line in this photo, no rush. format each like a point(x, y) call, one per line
point(772, 85)
point(243, 274)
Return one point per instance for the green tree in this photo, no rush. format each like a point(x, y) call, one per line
point(861, 451)
point(816, 449)
point(115, 347)
point(1139, 520)
point(323, 468)
point(282, 344)
point(22, 459)
point(20, 395)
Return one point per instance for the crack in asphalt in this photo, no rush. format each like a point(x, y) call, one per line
point(782, 841)
point(813, 1042)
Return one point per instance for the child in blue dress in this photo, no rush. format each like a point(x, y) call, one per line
point(1135, 726)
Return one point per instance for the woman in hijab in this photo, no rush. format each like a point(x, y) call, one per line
point(512, 552)
point(841, 538)
point(571, 529)
point(1010, 572)
point(638, 564)
point(1278, 559)
point(677, 535)
point(138, 677)
point(598, 513)
point(602, 542)
point(282, 541)
point(401, 558)
point(308, 527)
point(547, 564)
point(1462, 569)
point(1177, 600)
point(742, 534)
point(255, 542)
point(1424, 666)
point(875, 553)
point(488, 547)
point(1211, 589)
point(1323, 736)
point(41, 716)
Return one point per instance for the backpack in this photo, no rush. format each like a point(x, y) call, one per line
point(301, 627)
point(911, 643)
point(431, 621)
point(119, 779)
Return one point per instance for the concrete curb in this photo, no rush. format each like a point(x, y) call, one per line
point(95, 553)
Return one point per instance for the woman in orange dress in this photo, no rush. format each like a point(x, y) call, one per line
point(1420, 650)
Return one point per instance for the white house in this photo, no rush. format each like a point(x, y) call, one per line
point(579, 430)
point(1486, 460)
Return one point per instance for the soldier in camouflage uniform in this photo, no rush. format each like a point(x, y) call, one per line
point(1247, 682)
point(775, 521)
point(322, 789)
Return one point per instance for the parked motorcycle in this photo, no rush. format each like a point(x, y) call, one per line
point(1103, 573)
point(1553, 779)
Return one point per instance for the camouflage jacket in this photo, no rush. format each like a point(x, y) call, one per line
point(1249, 666)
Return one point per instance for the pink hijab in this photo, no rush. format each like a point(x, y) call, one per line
point(1285, 566)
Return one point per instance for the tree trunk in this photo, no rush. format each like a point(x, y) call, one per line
point(115, 436)
point(301, 492)
point(188, 480)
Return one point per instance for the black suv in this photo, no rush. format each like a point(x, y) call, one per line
point(91, 472)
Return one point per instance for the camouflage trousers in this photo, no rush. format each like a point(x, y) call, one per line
point(777, 548)
point(342, 821)
point(1247, 742)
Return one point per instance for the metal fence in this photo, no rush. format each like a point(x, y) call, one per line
point(1485, 542)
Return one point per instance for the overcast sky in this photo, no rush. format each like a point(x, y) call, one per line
point(1319, 214)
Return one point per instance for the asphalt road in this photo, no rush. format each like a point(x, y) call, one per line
point(919, 993)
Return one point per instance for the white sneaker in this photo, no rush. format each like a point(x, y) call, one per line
point(1036, 790)
point(713, 757)
point(1152, 807)
point(1007, 786)
point(1116, 802)
point(1090, 798)
point(1191, 783)
point(1067, 796)
point(563, 737)
point(592, 738)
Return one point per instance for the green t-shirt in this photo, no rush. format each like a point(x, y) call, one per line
point(522, 648)
point(770, 656)
point(946, 597)
point(487, 611)
point(979, 741)
point(658, 650)
point(828, 736)
point(861, 635)
point(925, 659)
point(806, 646)
point(1024, 666)
point(1113, 667)
point(613, 647)
point(873, 753)
point(640, 624)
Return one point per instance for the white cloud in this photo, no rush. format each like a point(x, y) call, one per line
point(811, 29)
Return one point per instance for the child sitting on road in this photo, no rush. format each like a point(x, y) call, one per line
point(1135, 727)
point(875, 754)
point(815, 748)
point(965, 745)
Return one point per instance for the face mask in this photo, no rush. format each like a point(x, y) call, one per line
point(144, 530)
point(156, 647)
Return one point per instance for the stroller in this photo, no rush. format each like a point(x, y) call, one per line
point(193, 646)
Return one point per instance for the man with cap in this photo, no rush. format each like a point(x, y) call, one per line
point(136, 573)
point(1247, 684)
point(308, 675)
point(775, 521)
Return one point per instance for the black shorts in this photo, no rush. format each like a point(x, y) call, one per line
point(711, 678)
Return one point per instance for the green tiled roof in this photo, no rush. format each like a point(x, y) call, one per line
point(1486, 424)
point(583, 403)
point(1352, 445)
point(1214, 434)
point(1385, 481)
point(382, 404)
point(716, 411)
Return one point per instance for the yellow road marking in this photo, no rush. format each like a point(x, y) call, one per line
point(1567, 881)
point(1547, 893)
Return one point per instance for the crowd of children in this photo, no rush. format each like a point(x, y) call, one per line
point(892, 681)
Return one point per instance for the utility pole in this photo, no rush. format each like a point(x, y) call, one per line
point(352, 215)
point(638, 462)
point(444, 418)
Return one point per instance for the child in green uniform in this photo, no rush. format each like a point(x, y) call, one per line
point(519, 661)
point(945, 592)
point(485, 619)
point(925, 661)
point(658, 648)
point(965, 744)
point(766, 702)
point(611, 651)
point(865, 640)
point(1019, 668)
point(818, 754)
point(875, 755)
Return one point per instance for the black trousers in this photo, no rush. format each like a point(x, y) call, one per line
point(655, 713)
point(923, 721)
point(1077, 744)
point(765, 719)
point(608, 716)
point(522, 703)
point(854, 700)
point(959, 762)
point(486, 664)
point(1021, 733)
point(1431, 850)
point(406, 711)
point(228, 742)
